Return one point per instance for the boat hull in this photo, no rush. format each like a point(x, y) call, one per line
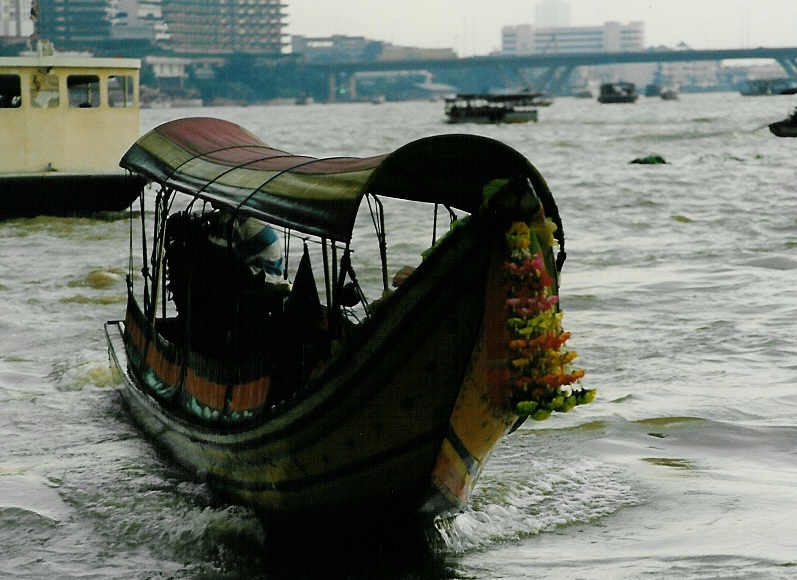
point(616, 99)
point(508, 117)
point(400, 424)
point(60, 193)
point(781, 129)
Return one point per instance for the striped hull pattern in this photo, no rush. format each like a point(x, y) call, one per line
point(401, 422)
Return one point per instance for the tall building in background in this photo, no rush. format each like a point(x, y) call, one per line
point(611, 37)
point(183, 26)
point(552, 13)
point(225, 26)
point(15, 18)
point(139, 20)
point(76, 24)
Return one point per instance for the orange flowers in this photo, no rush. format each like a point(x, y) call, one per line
point(539, 364)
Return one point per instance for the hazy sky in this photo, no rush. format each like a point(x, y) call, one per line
point(474, 26)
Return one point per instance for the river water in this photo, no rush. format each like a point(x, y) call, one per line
point(679, 290)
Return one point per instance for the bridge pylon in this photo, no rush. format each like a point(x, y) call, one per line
point(789, 65)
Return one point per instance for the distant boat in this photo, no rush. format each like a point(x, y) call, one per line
point(619, 92)
point(488, 108)
point(786, 127)
point(583, 94)
point(756, 88)
point(767, 87)
point(541, 99)
point(669, 94)
point(65, 122)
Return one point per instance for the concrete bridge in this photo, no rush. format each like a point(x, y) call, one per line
point(557, 67)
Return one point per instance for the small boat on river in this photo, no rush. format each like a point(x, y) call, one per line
point(785, 128)
point(498, 108)
point(65, 122)
point(768, 87)
point(303, 397)
point(618, 92)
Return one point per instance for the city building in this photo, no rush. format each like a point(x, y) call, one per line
point(523, 39)
point(139, 19)
point(340, 48)
point(76, 24)
point(225, 26)
point(15, 18)
point(183, 26)
point(610, 37)
point(394, 52)
point(692, 75)
point(335, 48)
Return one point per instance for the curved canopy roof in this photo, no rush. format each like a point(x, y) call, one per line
point(221, 162)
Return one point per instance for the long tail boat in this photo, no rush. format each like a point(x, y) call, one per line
point(294, 405)
point(785, 128)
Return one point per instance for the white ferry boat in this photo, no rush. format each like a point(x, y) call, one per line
point(66, 121)
point(499, 108)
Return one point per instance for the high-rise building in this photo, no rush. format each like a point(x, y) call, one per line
point(139, 19)
point(225, 26)
point(552, 13)
point(76, 24)
point(184, 26)
point(15, 18)
point(611, 37)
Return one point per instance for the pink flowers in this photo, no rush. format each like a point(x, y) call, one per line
point(538, 364)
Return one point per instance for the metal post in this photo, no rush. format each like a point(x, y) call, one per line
point(352, 87)
point(331, 87)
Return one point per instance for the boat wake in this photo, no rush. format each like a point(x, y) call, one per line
point(554, 493)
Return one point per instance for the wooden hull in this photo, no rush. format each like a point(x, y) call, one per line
point(58, 193)
point(400, 423)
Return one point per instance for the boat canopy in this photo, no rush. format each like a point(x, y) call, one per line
point(221, 162)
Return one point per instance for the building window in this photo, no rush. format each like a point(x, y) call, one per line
point(120, 91)
point(10, 92)
point(84, 91)
point(44, 91)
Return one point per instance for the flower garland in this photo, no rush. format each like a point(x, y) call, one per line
point(538, 362)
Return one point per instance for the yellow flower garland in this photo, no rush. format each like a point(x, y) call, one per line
point(538, 363)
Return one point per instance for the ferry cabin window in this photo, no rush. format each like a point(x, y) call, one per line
point(44, 90)
point(84, 91)
point(10, 92)
point(120, 91)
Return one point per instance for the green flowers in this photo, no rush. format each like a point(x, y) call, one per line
point(538, 361)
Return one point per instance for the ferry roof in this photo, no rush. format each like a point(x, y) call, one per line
point(495, 98)
point(68, 61)
point(219, 161)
